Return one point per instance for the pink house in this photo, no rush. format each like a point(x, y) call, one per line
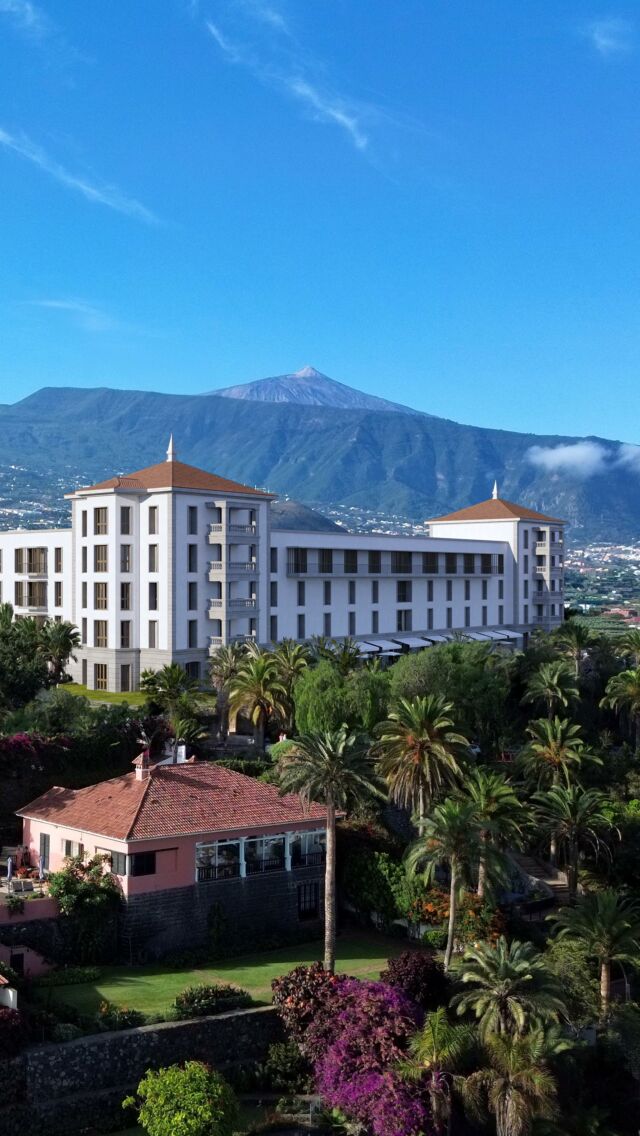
point(193, 845)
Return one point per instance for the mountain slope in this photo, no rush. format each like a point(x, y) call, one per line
point(410, 464)
point(309, 387)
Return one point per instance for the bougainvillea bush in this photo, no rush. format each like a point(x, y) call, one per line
point(420, 975)
point(302, 996)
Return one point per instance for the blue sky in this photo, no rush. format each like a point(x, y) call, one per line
point(432, 200)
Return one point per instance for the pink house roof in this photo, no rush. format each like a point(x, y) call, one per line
point(175, 800)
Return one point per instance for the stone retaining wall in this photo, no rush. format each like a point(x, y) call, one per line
point(59, 1090)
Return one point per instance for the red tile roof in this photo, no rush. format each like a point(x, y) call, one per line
point(176, 800)
point(495, 509)
point(176, 475)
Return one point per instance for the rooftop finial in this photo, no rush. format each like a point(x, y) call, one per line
point(495, 491)
point(171, 451)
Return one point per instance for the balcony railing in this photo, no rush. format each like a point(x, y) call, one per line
point(217, 530)
point(230, 871)
point(308, 860)
point(274, 864)
point(215, 641)
point(236, 604)
point(232, 567)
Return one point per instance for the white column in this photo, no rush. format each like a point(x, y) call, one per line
point(243, 862)
point(287, 851)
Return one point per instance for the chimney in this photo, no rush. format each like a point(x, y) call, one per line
point(141, 766)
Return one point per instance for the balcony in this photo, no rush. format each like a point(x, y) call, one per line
point(308, 860)
point(540, 546)
point(256, 867)
point(229, 871)
point(242, 604)
point(226, 532)
point(242, 639)
point(219, 568)
point(215, 641)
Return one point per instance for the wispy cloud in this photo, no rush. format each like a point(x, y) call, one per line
point(584, 459)
point(328, 109)
point(26, 17)
point(101, 193)
point(610, 36)
point(88, 316)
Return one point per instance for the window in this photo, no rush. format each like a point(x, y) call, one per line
point(450, 563)
point(467, 617)
point(125, 557)
point(351, 591)
point(192, 558)
point(308, 901)
point(273, 556)
point(525, 538)
point(57, 560)
point(100, 637)
point(526, 613)
point(469, 564)
point(526, 564)
point(85, 669)
point(100, 558)
point(153, 558)
point(100, 676)
point(83, 635)
point(20, 593)
point(19, 560)
point(301, 593)
point(403, 619)
point(273, 593)
point(430, 562)
point(404, 591)
point(449, 617)
point(326, 593)
point(192, 596)
point(467, 589)
point(325, 560)
point(430, 619)
point(84, 558)
point(125, 633)
point(429, 591)
point(192, 633)
point(501, 589)
point(100, 522)
point(484, 617)
point(501, 563)
point(117, 860)
point(57, 594)
point(485, 589)
point(375, 562)
point(350, 560)
point(525, 589)
point(375, 622)
point(45, 847)
point(153, 633)
point(352, 622)
point(375, 591)
point(142, 864)
point(500, 613)
point(273, 628)
point(153, 519)
point(192, 520)
point(296, 561)
point(326, 623)
point(153, 597)
point(449, 590)
point(125, 520)
point(84, 522)
point(401, 563)
point(125, 596)
point(100, 595)
point(72, 848)
point(301, 630)
point(192, 670)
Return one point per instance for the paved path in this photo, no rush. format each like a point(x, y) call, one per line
point(556, 881)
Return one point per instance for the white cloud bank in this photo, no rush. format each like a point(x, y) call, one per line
point(584, 459)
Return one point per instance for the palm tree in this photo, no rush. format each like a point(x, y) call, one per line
point(511, 988)
point(623, 694)
point(58, 643)
point(418, 750)
point(223, 668)
point(186, 731)
point(518, 1084)
point(498, 812)
point(572, 815)
point(345, 654)
point(257, 689)
point(554, 685)
point(556, 749)
point(574, 640)
point(292, 659)
point(628, 645)
point(331, 769)
point(608, 924)
point(451, 836)
point(435, 1053)
point(168, 686)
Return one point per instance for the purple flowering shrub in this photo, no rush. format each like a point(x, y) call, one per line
point(303, 996)
point(421, 976)
point(382, 1102)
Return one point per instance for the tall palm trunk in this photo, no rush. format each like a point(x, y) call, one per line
point(330, 890)
point(453, 904)
point(572, 873)
point(605, 989)
point(482, 865)
point(259, 728)
point(222, 705)
point(553, 843)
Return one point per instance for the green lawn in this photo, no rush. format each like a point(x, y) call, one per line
point(152, 989)
point(132, 697)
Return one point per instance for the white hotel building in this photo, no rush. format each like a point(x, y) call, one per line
point(168, 563)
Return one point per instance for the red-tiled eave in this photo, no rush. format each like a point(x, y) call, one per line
point(497, 509)
point(174, 475)
point(176, 800)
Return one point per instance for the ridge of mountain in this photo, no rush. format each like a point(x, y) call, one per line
point(404, 464)
point(309, 387)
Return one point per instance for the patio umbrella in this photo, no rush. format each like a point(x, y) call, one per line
point(41, 868)
point(9, 869)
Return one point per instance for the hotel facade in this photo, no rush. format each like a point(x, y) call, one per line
point(171, 562)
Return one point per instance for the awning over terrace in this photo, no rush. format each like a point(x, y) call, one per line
point(413, 642)
point(368, 649)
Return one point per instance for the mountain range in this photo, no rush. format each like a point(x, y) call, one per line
point(308, 437)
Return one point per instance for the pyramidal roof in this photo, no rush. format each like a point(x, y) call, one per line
point(497, 509)
point(172, 474)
